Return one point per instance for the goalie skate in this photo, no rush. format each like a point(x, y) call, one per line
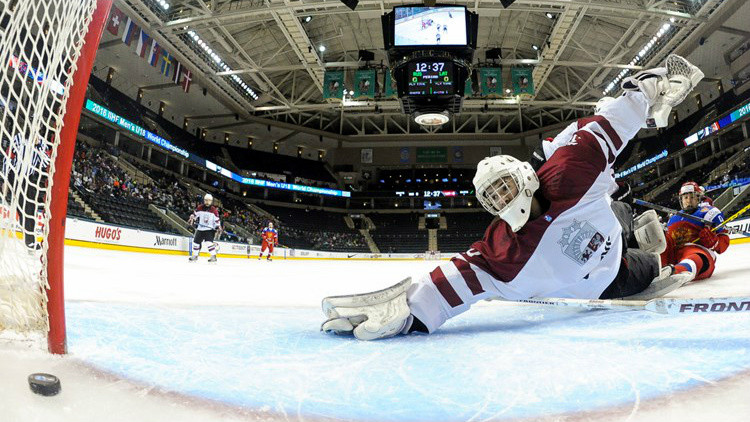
point(369, 316)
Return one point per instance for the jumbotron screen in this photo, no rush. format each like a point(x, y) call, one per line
point(430, 26)
point(431, 77)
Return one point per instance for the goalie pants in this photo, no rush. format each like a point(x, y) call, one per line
point(637, 268)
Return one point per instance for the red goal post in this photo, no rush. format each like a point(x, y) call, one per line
point(46, 36)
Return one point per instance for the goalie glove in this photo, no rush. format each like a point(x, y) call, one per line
point(664, 88)
point(369, 316)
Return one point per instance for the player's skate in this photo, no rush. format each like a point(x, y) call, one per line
point(212, 259)
point(193, 258)
point(664, 87)
point(369, 316)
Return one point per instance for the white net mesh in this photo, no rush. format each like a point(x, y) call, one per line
point(40, 42)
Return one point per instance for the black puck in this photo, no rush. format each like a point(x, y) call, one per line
point(44, 384)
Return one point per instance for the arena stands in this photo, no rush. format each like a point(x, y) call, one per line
point(398, 233)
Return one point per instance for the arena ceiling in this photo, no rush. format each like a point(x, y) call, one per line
point(272, 46)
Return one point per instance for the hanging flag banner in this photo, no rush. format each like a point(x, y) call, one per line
point(468, 91)
point(116, 17)
point(131, 30)
point(458, 154)
point(166, 63)
point(523, 83)
point(333, 85)
point(187, 79)
point(144, 44)
point(154, 54)
point(491, 81)
point(390, 88)
point(404, 155)
point(364, 84)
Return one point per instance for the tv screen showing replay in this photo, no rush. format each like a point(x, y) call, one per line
point(430, 26)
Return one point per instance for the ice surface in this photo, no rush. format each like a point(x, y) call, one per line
point(243, 335)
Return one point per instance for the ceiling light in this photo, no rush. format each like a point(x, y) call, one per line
point(322, 48)
point(535, 47)
point(549, 15)
point(307, 19)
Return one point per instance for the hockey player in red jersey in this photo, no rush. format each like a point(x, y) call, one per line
point(206, 216)
point(683, 251)
point(270, 238)
point(558, 232)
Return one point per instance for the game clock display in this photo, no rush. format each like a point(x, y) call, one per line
point(430, 78)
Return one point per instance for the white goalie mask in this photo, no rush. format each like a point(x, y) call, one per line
point(208, 199)
point(505, 187)
point(664, 88)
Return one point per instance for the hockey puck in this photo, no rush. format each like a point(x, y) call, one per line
point(44, 384)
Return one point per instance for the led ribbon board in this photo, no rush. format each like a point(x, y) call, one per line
point(131, 127)
point(719, 124)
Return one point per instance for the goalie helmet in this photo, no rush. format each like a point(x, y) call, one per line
point(664, 88)
point(505, 187)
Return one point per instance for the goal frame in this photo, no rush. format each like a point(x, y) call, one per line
point(56, 337)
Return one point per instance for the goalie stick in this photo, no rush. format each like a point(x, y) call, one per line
point(667, 306)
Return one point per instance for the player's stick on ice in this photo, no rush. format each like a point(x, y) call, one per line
point(668, 306)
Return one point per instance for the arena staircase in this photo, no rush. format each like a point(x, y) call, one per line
point(432, 240)
point(172, 219)
point(732, 198)
point(89, 211)
point(370, 242)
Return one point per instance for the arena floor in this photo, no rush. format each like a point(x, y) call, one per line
point(155, 338)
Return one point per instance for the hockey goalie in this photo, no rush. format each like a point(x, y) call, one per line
point(558, 232)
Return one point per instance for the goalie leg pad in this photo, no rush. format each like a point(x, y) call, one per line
point(649, 233)
point(369, 316)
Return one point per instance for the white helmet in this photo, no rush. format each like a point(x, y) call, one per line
point(208, 199)
point(502, 176)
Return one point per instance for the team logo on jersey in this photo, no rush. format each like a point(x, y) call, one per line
point(580, 241)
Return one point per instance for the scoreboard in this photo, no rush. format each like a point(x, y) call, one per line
point(431, 77)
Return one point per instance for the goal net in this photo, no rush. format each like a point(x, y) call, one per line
point(46, 53)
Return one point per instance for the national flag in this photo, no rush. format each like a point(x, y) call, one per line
point(186, 80)
point(130, 30)
point(166, 63)
point(177, 73)
point(115, 18)
point(154, 54)
point(144, 42)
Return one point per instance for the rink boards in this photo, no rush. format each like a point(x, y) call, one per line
point(109, 236)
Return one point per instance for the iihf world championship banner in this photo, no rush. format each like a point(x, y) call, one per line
point(333, 85)
point(491, 81)
point(390, 90)
point(523, 82)
point(364, 84)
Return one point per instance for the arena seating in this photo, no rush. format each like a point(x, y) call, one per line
point(398, 233)
point(463, 230)
point(316, 229)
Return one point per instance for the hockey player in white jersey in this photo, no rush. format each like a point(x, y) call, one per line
point(209, 227)
point(558, 232)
